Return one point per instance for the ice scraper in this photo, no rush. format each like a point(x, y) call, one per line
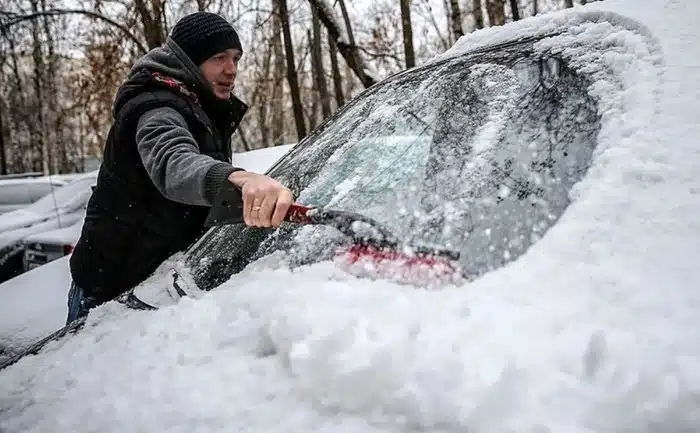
point(375, 250)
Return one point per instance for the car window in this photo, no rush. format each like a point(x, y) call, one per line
point(19, 191)
point(477, 154)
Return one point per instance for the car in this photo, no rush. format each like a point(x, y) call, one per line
point(62, 208)
point(45, 247)
point(20, 191)
point(556, 155)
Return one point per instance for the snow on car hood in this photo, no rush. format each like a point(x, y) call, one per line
point(595, 329)
point(21, 218)
point(12, 237)
point(62, 236)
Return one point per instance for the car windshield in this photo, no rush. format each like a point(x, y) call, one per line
point(476, 154)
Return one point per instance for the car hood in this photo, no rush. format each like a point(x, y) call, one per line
point(11, 237)
point(61, 236)
point(21, 218)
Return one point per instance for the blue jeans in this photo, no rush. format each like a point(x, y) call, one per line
point(78, 304)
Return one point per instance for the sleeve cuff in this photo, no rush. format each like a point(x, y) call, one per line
point(214, 178)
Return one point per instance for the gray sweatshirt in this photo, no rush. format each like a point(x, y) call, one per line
point(167, 148)
point(172, 159)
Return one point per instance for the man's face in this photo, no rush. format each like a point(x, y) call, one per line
point(220, 71)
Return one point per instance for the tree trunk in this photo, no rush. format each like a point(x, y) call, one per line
point(56, 144)
point(3, 154)
point(478, 14)
point(41, 162)
point(347, 48)
point(278, 77)
point(264, 85)
point(456, 18)
point(291, 71)
point(152, 22)
point(568, 3)
point(337, 79)
point(534, 7)
point(496, 11)
point(409, 54)
point(317, 65)
point(514, 9)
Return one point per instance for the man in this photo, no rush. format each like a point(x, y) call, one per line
point(166, 157)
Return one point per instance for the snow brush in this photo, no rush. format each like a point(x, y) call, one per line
point(376, 252)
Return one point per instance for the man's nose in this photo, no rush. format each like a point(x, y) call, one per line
point(230, 67)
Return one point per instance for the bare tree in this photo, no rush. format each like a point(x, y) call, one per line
point(317, 62)
point(347, 47)
point(514, 9)
point(335, 70)
point(496, 12)
point(478, 14)
point(3, 133)
point(55, 12)
point(568, 3)
point(456, 19)
point(291, 70)
point(39, 137)
point(152, 20)
point(534, 7)
point(278, 77)
point(409, 54)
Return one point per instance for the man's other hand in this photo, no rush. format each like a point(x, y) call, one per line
point(265, 200)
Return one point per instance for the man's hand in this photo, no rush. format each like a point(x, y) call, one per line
point(265, 200)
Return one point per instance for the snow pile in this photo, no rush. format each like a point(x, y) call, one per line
point(595, 329)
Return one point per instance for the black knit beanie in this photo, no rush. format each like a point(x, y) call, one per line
point(203, 34)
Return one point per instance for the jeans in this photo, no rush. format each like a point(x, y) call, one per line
point(78, 304)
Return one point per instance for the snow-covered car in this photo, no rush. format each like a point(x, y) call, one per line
point(558, 155)
point(63, 207)
point(16, 193)
point(45, 247)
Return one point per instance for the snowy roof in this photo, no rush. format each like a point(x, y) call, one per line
point(596, 328)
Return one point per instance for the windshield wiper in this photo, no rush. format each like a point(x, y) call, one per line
point(363, 230)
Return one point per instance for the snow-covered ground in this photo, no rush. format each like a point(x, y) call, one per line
point(595, 329)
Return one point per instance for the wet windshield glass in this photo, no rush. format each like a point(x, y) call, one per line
point(478, 155)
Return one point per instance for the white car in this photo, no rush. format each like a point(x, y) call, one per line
point(557, 154)
point(16, 193)
point(62, 208)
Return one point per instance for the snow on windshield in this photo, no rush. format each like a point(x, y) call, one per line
point(475, 156)
point(595, 329)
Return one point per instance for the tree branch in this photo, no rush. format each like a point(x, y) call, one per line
point(347, 50)
point(54, 12)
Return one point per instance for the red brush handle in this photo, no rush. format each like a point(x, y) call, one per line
point(298, 214)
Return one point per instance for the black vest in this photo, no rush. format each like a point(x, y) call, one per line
point(130, 228)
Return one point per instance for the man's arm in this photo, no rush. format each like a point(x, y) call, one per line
point(173, 160)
